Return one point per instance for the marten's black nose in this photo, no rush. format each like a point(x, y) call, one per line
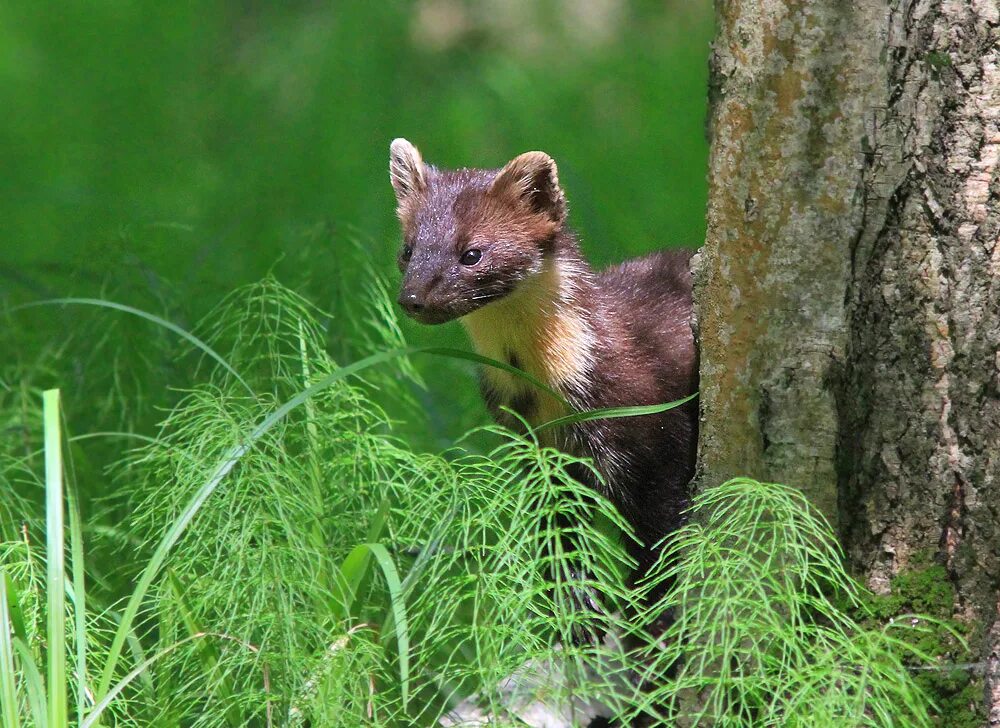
point(410, 302)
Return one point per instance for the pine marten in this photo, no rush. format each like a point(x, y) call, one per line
point(491, 248)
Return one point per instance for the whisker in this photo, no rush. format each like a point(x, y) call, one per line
point(487, 296)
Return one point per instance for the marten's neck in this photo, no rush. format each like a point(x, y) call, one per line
point(545, 327)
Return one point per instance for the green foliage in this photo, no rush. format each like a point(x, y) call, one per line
point(205, 140)
point(925, 588)
point(938, 61)
point(758, 640)
point(287, 559)
point(322, 535)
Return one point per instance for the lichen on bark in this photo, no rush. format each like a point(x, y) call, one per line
point(792, 84)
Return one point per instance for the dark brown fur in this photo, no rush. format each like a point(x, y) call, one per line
point(642, 312)
point(631, 322)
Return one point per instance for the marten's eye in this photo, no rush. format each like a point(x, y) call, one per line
point(406, 253)
point(471, 257)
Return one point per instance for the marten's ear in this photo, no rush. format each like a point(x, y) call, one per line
point(533, 179)
point(406, 169)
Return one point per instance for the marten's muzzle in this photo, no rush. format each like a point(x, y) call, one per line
point(420, 308)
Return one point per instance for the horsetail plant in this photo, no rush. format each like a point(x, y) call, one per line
point(292, 561)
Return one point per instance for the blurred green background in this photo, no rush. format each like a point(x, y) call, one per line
point(161, 154)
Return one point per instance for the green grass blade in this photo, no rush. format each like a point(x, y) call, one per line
point(609, 413)
point(355, 565)
point(198, 343)
point(187, 336)
point(8, 688)
point(34, 686)
point(113, 433)
point(79, 597)
point(16, 614)
point(55, 561)
point(486, 361)
point(315, 482)
point(397, 617)
point(352, 570)
point(135, 648)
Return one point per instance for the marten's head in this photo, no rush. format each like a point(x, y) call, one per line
point(471, 236)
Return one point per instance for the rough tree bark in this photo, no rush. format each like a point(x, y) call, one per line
point(848, 294)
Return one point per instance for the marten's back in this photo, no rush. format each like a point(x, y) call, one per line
point(651, 297)
point(648, 357)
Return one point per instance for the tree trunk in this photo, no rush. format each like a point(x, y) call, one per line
point(848, 294)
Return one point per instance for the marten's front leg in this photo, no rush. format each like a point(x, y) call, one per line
point(590, 616)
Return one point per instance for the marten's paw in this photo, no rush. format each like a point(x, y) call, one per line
point(590, 618)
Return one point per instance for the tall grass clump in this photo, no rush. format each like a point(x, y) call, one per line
point(316, 568)
point(261, 560)
point(284, 559)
